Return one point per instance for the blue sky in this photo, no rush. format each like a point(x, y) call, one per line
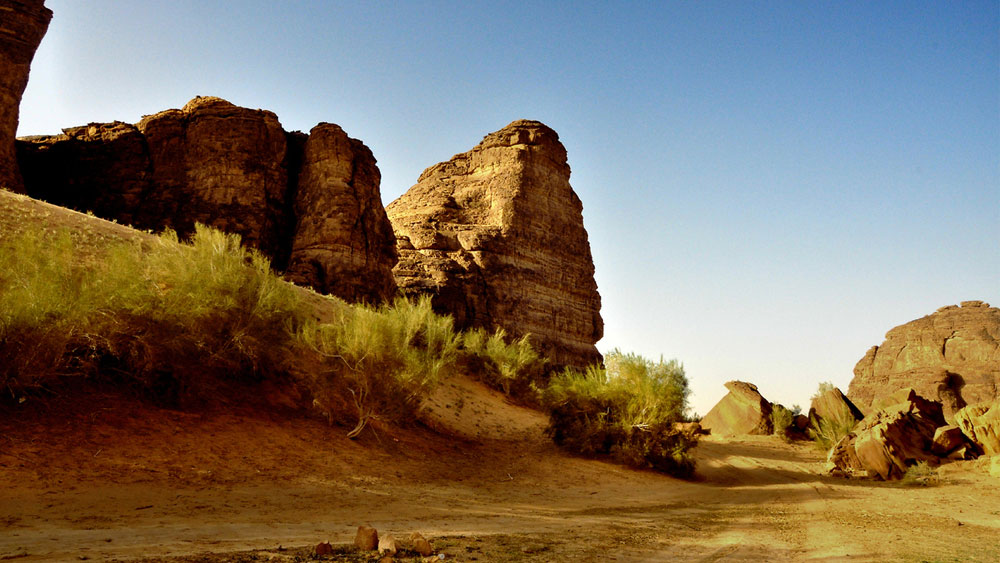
point(768, 186)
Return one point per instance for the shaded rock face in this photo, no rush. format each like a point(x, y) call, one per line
point(742, 411)
point(310, 203)
point(23, 23)
point(343, 241)
point(495, 236)
point(952, 356)
point(890, 440)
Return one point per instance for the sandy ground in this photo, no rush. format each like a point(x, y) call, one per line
point(118, 479)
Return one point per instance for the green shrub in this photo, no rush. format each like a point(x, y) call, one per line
point(388, 358)
point(782, 420)
point(510, 366)
point(626, 410)
point(828, 432)
point(921, 474)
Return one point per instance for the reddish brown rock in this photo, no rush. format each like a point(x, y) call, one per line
point(366, 539)
point(221, 165)
point(324, 548)
point(420, 544)
point(495, 236)
point(742, 411)
point(890, 440)
point(315, 200)
point(343, 242)
point(981, 424)
point(952, 356)
point(23, 23)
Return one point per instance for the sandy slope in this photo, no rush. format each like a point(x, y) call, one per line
point(118, 479)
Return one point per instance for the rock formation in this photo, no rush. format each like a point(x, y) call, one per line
point(309, 203)
point(831, 409)
point(343, 242)
point(495, 236)
point(890, 440)
point(981, 423)
point(952, 356)
point(23, 23)
point(742, 411)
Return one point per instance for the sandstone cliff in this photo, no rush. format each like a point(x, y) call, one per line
point(309, 203)
point(496, 237)
point(23, 23)
point(951, 356)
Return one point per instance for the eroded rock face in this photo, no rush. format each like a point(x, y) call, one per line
point(23, 23)
point(222, 165)
point(742, 411)
point(343, 241)
point(311, 204)
point(952, 356)
point(890, 440)
point(495, 236)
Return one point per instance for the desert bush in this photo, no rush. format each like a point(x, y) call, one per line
point(828, 432)
point(921, 474)
point(148, 313)
point(388, 358)
point(625, 410)
point(782, 420)
point(508, 365)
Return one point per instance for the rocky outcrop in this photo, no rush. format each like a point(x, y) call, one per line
point(981, 424)
point(830, 409)
point(742, 411)
point(890, 440)
point(495, 236)
point(952, 356)
point(23, 23)
point(343, 242)
point(310, 203)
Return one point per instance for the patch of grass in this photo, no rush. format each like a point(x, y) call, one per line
point(920, 475)
point(828, 432)
point(782, 420)
point(172, 319)
point(510, 365)
point(625, 410)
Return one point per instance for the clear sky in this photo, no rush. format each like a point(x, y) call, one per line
point(768, 186)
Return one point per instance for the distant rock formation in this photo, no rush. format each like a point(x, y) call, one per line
point(742, 411)
point(952, 356)
point(23, 23)
point(495, 236)
point(311, 204)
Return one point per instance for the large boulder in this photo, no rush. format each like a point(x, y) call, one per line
point(981, 424)
point(831, 409)
point(890, 440)
point(311, 204)
point(343, 242)
point(495, 236)
point(952, 356)
point(742, 411)
point(23, 23)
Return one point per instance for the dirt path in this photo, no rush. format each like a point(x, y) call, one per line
point(117, 480)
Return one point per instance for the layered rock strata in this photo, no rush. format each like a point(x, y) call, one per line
point(23, 23)
point(495, 236)
point(742, 411)
point(310, 203)
point(952, 356)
